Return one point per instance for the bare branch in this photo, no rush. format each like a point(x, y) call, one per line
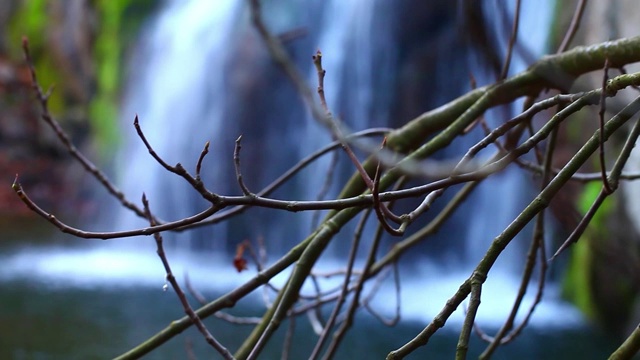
point(612, 180)
point(176, 287)
point(220, 314)
point(397, 290)
point(345, 286)
point(178, 169)
point(66, 141)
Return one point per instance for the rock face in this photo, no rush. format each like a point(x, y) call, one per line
point(27, 147)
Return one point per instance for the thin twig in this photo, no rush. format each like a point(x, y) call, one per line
point(584, 222)
point(512, 42)
point(377, 206)
point(317, 62)
point(601, 113)
point(282, 179)
point(501, 337)
point(539, 291)
point(236, 162)
point(178, 169)
point(355, 300)
point(573, 28)
point(315, 314)
point(380, 207)
point(326, 186)
point(366, 302)
point(236, 320)
point(537, 243)
point(432, 227)
point(612, 180)
point(367, 272)
point(345, 286)
point(109, 235)
point(536, 149)
point(577, 177)
point(523, 117)
point(188, 345)
point(204, 153)
point(279, 55)
point(176, 287)
point(288, 338)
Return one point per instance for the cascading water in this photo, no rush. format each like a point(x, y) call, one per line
point(168, 89)
point(201, 73)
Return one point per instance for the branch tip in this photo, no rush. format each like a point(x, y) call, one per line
point(25, 48)
point(16, 185)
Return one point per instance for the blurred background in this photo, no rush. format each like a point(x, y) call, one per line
point(196, 71)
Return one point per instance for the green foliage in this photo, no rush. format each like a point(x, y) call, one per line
point(31, 20)
point(107, 56)
point(589, 194)
point(118, 22)
point(577, 282)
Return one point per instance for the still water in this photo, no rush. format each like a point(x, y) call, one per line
point(73, 301)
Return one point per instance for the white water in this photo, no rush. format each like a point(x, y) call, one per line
point(175, 69)
point(423, 295)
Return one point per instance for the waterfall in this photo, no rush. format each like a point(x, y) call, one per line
point(177, 67)
point(192, 79)
point(200, 73)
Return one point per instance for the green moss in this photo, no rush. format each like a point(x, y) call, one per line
point(576, 286)
point(577, 282)
point(31, 20)
point(119, 21)
point(589, 194)
point(103, 110)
